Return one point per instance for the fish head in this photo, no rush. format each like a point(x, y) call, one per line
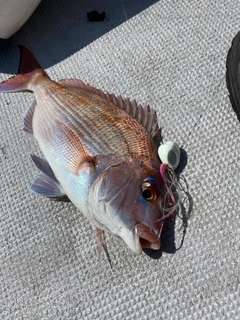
point(129, 203)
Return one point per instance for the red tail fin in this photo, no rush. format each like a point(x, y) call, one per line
point(27, 61)
point(28, 69)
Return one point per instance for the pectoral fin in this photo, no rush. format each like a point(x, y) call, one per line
point(73, 150)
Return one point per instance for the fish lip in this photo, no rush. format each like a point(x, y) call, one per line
point(147, 238)
point(150, 245)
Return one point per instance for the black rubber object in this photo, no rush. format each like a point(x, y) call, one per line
point(233, 74)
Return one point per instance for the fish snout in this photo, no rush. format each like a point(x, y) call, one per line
point(148, 238)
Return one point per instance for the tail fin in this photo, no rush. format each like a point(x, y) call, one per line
point(28, 69)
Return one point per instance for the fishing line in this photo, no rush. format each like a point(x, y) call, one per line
point(191, 131)
point(173, 199)
point(124, 10)
point(172, 195)
point(177, 195)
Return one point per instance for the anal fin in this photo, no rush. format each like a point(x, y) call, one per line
point(28, 119)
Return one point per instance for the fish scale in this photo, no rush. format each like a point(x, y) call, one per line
point(122, 135)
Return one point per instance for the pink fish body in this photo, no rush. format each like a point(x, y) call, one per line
point(99, 150)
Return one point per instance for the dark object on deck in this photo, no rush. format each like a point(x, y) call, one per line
point(233, 74)
point(95, 16)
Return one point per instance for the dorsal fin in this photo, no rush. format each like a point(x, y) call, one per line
point(143, 114)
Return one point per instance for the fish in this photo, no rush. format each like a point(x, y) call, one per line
point(100, 152)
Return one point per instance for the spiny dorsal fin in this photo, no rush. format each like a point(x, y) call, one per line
point(143, 114)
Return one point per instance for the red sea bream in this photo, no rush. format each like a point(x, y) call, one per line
point(100, 151)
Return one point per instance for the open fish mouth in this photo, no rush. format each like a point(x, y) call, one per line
point(148, 238)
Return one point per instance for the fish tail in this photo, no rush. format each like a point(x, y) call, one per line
point(29, 70)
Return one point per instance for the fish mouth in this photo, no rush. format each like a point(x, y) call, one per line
point(147, 238)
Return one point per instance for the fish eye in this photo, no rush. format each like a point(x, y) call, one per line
point(149, 191)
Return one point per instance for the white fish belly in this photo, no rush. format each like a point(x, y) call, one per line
point(75, 186)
